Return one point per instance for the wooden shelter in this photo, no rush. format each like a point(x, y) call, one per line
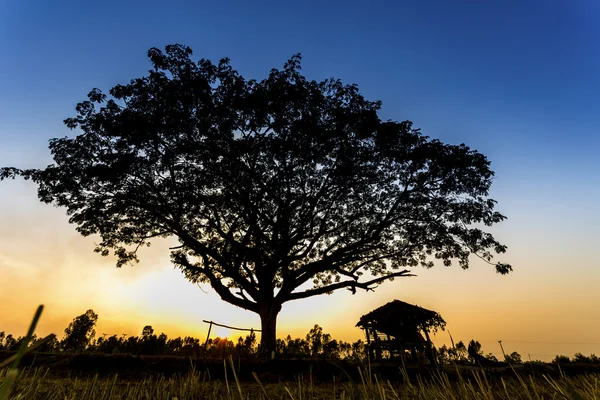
point(397, 327)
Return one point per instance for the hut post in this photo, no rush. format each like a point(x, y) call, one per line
point(403, 354)
point(432, 356)
point(368, 348)
point(207, 337)
point(377, 341)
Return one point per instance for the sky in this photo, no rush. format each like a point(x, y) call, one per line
point(518, 80)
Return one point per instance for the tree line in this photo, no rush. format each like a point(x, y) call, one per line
point(80, 336)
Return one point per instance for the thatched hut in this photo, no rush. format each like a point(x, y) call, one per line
point(397, 327)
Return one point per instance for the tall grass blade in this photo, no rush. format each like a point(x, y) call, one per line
point(13, 372)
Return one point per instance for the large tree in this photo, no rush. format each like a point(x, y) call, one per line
point(277, 190)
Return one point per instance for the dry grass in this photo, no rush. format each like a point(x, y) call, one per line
point(37, 384)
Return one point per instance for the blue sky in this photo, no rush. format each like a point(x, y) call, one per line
point(509, 77)
point(517, 80)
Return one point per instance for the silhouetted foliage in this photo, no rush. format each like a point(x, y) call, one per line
point(513, 358)
point(267, 185)
point(316, 345)
point(579, 358)
point(51, 345)
point(461, 351)
point(110, 345)
point(474, 349)
point(561, 359)
point(8, 342)
point(80, 332)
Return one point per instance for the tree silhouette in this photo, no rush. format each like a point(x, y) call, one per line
point(474, 349)
point(513, 358)
point(147, 331)
point(245, 346)
point(269, 186)
point(49, 346)
point(316, 344)
point(9, 342)
point(460, 351)
point(80, 332)
point(110, 345)
point(314, 337)
point(149, 343)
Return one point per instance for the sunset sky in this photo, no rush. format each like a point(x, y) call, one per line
point(518, 80)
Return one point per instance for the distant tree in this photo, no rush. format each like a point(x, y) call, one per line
point(267, 185)
point(560, 359)
point(250, 340)
point(321, 344)
point(131, 345)
point(474, 349)
point(148, 342)
point(49, 346)
point(110, 345)
point(444, 354)
point(579, 358)
point(460, 352)
point(314, 337)
point(281, 348)
point(80, 332)
point(247, 346)
point(513, 358)
point(161, 344)
point(296, 348)
point(220, 347)
point(191, 346)
point(358, 351)
point(10, 343)
point(174, 345)
point(331, 348)
point(147, 331)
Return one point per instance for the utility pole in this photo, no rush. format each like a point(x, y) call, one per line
point(502, 348)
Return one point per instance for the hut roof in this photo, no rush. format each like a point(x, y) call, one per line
point(398, 315)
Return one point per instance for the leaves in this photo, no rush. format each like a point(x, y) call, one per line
point(80, 332)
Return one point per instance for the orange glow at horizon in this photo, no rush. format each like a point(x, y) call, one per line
point(538, 310)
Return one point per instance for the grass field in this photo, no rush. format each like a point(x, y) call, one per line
point(39, 383)
point(453, 382)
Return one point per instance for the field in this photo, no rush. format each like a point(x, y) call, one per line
point(28, 374)
point(51, 377)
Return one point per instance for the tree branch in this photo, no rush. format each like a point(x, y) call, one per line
point(217, 285)
point(347, 284)
point(200, 248)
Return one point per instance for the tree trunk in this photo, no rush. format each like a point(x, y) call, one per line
point(268, 325)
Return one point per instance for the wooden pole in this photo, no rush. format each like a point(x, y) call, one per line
point(211, 323)
point(231, 327)
point(502, 348)
point(430, 348)
point(207, 336)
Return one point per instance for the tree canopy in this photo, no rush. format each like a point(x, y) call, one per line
point(277, 190)
point(81, 331)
